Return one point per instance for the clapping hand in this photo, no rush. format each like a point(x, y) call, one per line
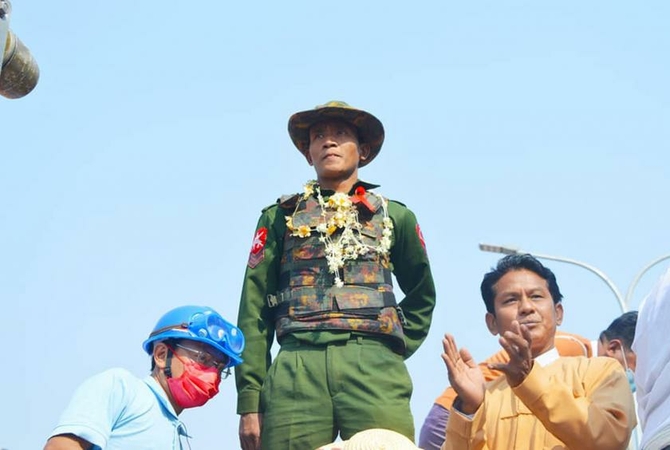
point(464, 375)
point(517, 345)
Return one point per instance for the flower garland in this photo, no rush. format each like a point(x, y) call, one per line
point(348, 244)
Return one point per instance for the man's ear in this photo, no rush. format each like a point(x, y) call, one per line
point(160, 355)
point(363, 152)
point(558, 307)
point(491, 323)
point(613, 346)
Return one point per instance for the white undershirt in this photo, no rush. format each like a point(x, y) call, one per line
point(547, 357)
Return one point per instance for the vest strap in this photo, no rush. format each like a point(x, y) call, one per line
point(379, 300)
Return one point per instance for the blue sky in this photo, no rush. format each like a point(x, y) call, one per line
point(133, 176)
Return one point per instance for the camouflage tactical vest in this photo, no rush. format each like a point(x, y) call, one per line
point(307, 297)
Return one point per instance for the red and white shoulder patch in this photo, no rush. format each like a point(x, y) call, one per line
point(420, 234)
point(257, 253)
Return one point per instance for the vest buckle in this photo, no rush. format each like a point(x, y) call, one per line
point(401, 316)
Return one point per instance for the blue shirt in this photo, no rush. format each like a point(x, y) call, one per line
point(116, 410)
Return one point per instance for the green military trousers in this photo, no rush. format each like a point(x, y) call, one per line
point(313, 392)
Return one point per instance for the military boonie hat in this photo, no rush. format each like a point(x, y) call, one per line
point(370, 129)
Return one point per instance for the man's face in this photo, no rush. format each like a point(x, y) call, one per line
point(206, 373)
point(522, 295)
point(335, 152)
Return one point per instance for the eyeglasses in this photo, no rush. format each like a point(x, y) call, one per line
point(207, 360)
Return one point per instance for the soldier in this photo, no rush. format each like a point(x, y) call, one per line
point(319, 276)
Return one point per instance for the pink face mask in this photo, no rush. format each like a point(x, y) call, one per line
point(195, 386)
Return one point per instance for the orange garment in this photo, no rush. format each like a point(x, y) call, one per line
point(567, 344)
point(573, 403)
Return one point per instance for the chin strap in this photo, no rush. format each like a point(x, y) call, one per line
point(168, 364)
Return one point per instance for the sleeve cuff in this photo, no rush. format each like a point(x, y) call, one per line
point(531, 389)
point(248, 402)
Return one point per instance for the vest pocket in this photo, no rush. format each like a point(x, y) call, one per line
point(362, 300)
point(366, 272)
point(309, 303)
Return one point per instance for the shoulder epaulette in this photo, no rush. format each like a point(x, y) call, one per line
point(274, 205)
point(396, 201)
point(289, 201)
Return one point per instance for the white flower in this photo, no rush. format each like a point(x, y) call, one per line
point(308, 189)
point(339, 200)
point(334, 264)
point(303, 231)
point(322, 228)
point(340, 219)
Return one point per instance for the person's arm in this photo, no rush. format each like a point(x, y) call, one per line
point(446, 399)
point(434, 428)
point(412, 271)
point(257, 322)
point(465, 432)
point(466, 418)
point(94, 409)
point(67, 442)
point(465, 429)
point(250, 431)
point(597, 412)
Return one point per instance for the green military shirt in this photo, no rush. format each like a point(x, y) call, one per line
point(410, 266)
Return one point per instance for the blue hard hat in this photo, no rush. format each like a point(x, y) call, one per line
point(202, 324)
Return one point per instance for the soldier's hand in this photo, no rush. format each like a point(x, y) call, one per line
point(517, 345)
point(464, 375)
point(250, 431)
